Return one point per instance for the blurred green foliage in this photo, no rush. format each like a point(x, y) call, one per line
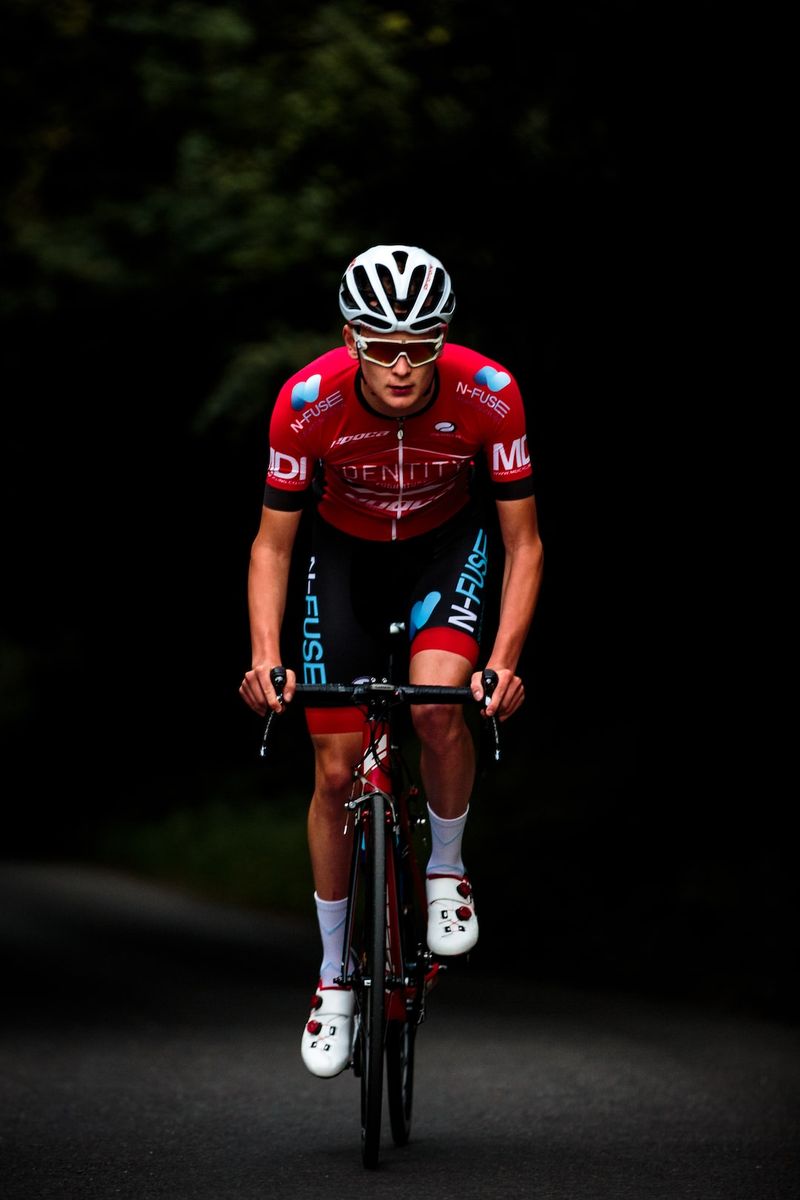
point(217, 165)
point(243, 852)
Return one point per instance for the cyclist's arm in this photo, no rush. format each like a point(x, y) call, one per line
point(267, 583)
point(522, 577)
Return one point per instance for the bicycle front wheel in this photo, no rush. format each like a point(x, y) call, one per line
point(401, 1032)
point(372, 1030)
point(400, 1038)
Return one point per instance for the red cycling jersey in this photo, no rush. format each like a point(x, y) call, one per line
point(386, 477)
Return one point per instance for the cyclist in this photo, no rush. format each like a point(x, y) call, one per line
point(382, 434)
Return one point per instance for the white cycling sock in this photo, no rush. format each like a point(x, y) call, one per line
point(446, 838)
point(331, 915)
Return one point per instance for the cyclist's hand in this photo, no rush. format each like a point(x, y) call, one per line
point(508, 694)
point(258, 692)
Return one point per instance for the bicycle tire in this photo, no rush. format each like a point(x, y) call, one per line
point(401, 1033)
point(400, 1043)
point(372, 1029)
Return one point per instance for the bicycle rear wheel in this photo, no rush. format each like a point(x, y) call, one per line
point(372, 1028)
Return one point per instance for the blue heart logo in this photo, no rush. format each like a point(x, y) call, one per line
point(494, 380)
point(422, 610)
point(306, 391)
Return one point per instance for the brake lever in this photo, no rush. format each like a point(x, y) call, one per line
point(278, 679)
point(489, 680)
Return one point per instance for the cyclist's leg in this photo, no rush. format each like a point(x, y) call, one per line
point(445, 649)
point(335, 755)
point(331, 637)
point(446, 619)
point(447, 752)
point(447, 766)
point(327, 1041)
point(336, 649)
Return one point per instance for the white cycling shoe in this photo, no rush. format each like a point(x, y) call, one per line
point(327, 1045)
point(452, 923)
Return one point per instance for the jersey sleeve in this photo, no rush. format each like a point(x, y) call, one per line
point(291, 468)
point(283, 501)
point(507, 452)
point(517, 489)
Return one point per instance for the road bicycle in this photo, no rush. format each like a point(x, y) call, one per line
point(385, 957)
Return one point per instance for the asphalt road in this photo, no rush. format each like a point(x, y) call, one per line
point(150, 1048)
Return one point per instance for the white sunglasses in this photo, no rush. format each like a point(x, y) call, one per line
point(384, 353)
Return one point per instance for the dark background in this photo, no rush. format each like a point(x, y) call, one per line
point(183, 186)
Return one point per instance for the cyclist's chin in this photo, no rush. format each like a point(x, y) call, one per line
point(399, 399)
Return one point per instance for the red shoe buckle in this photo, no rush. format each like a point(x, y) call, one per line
point(464, 889)
point(463, 913)
point(314, 1027)
point(315, 1002)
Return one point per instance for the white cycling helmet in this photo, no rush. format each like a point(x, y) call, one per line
point(396, 289)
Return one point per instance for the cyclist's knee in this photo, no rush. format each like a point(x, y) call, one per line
point(334, 758)
point(333, 781)
point(438, 724)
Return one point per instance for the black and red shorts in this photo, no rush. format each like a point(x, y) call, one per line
point(355, 590)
